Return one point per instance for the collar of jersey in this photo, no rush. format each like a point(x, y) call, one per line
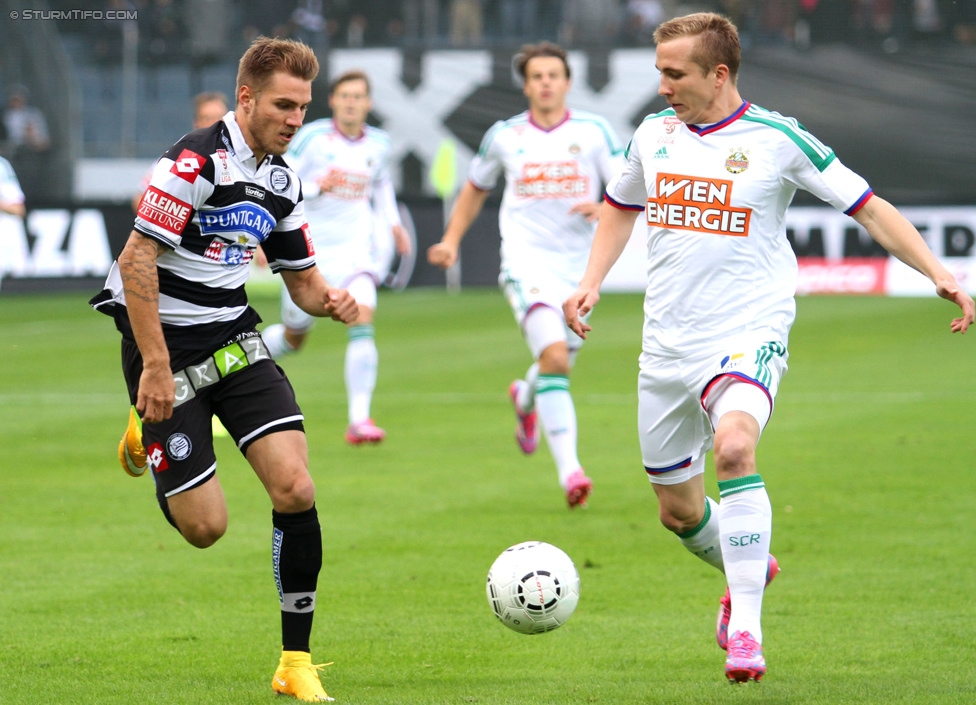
point(708, 129)
point(547, 129)
point(241, 148)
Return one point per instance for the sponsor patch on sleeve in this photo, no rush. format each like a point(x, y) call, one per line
point(308, 238)
point(167, 212)
point(187, 166)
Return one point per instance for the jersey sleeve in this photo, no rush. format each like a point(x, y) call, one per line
point(814, 167)
point(611, 155)
point(181, 181)
point(627, 189)
point(290, 244)
point(487, 164)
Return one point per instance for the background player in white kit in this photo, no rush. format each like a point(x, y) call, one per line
point(344, 167)
point(714, 176)
point(555, 162)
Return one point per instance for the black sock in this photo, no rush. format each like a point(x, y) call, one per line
point(296, 554)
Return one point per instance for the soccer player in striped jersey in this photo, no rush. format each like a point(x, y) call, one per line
point(555, 161)
point(344, 166)
point(713, 176)
point(190, 345)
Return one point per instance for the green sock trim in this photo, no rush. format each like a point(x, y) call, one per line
point(740, 484)
point(364, 330)
point(701, 524)
point(551, 383)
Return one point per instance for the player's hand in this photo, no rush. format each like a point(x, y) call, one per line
point(577, 306)
point(442, 254)
point(401, 239)
point(340, 305)
point(951, 291)
point(587, 209)
point(157, 392)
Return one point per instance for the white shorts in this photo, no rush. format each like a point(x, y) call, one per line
point(541, 291)
point(681, 399)
point(361, 287)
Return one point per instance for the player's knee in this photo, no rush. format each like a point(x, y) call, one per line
point(735, 455)
point(678, 520)
point(554, 360)
point(293, 493)
point(203, 534)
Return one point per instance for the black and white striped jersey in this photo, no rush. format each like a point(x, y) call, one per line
point(210, 204)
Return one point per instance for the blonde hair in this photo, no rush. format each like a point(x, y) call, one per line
point(718, 39)
point(266, 57)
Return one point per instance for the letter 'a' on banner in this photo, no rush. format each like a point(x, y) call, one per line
point(443, 177)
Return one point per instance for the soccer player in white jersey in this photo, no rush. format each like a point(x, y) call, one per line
point(344, 167)
point(11, 195)
point(555, 161)
point(713, 176)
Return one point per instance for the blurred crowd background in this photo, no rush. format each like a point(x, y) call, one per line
point(89, 88)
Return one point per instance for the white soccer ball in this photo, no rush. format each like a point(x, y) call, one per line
point(533, 587)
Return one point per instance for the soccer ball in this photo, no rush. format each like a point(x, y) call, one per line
point(533, 587)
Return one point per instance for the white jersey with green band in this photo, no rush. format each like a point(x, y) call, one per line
point(547, 172)
point(715, 199)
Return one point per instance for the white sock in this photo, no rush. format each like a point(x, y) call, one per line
point(526, 393)
point(704, 540)
point(274, 338)
point(745, 524)
point(362, 361)
point(557, 416)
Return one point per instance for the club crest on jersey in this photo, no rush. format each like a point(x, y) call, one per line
point(279, 180)
point(241, 218)
point(178, 446)
point(187, 166)
point(229, 254)
point(737, 162)
point(574, 149)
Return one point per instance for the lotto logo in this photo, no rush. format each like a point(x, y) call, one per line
point(187, 166)
point(157, 458)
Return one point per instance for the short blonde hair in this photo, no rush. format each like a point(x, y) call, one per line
point(718, 39)
point(266, 57)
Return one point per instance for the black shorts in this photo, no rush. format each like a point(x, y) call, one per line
point(252, 401)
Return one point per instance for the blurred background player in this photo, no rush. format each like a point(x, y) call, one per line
point(208, 108)
point(344, 167)
point(555, 162)
point(11, 195)
point(190, 345)
point(720, 302)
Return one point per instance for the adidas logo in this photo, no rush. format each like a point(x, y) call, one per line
point(661, 153)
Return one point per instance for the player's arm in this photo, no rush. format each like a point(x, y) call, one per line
point(469, 204)
point(897, 235)
point(311, 293)
point(16, 208)
point(612, 234)
point(384, 200)
point(140, 280)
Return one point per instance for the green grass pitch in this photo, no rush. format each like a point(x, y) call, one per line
point(868, 461)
